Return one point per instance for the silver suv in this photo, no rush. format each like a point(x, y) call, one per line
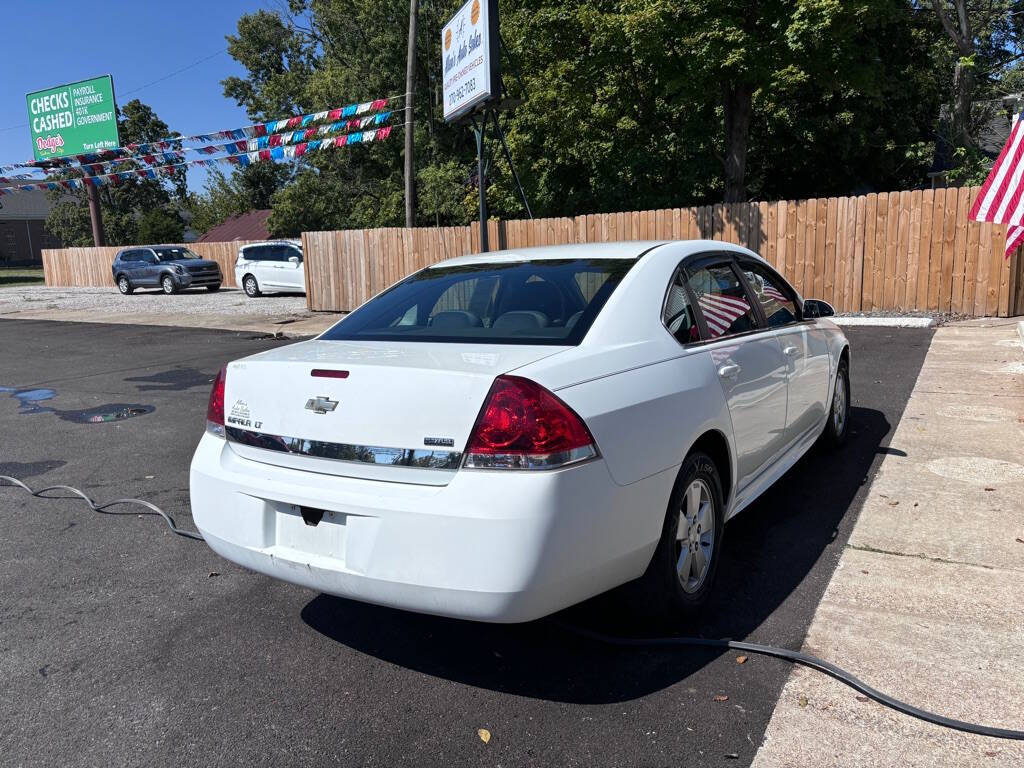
point(171, 268)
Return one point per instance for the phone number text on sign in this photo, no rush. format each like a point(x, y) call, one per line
point(460, 93)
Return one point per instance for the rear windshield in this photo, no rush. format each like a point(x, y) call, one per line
point(526, 302)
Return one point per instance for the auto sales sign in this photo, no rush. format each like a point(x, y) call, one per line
point(73, 119)
point(470, 58)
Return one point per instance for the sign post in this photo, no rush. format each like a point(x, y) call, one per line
point(471, 65)
point(75, 119)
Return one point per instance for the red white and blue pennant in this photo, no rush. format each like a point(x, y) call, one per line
point(241, 159)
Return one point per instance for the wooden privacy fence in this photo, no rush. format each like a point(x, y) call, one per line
point(910, 250)
point(90, 267)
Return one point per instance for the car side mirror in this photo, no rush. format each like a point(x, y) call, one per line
point(294, 259)
point(818, 308)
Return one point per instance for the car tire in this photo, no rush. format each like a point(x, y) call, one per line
point(676, 586)
point(167, 285)
point(213, 288)
point(124, 285)
point(251, 287)
point(838, 425)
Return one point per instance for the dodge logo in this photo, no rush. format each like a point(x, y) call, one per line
point(321, 404)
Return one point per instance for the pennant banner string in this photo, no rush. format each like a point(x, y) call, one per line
point(234, 147)
point(256, 130)
point(241, 159)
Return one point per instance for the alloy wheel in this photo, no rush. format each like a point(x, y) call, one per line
point(839, 404)
point(695, 536)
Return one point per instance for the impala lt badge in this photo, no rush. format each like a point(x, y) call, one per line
point(321, 404)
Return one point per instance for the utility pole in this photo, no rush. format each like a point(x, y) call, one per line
point(481, 173)
point(410, 89)
point(96, 214)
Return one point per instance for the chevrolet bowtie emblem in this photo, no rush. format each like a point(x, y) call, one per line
point(321, 404)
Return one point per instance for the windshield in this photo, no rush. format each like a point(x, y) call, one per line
point(174, 254)
point(524, 302)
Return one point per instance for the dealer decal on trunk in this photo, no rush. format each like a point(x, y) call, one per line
point(240, 416)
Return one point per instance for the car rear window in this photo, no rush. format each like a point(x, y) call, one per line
point(522, 302)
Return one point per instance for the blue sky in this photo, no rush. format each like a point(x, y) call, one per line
point(60, 41)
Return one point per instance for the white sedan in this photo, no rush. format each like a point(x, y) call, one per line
point(500, 436)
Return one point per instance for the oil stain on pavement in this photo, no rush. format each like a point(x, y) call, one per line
point(30, 401)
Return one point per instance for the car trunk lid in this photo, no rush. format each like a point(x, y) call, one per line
point(387, 411)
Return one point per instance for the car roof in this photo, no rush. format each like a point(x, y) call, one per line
point(625, 249)
point(630, 249)
point(282, 241)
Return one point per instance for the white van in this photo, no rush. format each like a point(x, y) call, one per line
point(270, 267)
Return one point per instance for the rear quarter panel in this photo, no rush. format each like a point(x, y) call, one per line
point(645, 420)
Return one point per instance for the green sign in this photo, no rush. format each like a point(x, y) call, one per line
point(73, 119)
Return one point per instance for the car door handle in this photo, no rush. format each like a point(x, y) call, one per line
point(791, 351)
point(729, 371)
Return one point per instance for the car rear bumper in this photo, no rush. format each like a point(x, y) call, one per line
point(490, 546)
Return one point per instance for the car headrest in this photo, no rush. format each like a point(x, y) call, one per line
point(521, 320)
point(536, 295)
point(573, 319)
point(455, 318)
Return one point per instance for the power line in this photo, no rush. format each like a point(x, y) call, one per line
point(176, 72)
point(168, 76)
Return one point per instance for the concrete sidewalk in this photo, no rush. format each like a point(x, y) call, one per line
point(927, 603)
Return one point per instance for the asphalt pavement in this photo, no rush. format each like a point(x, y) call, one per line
point(122, 644)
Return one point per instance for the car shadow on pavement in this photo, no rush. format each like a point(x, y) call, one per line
point(795, 530)
point(176, 379)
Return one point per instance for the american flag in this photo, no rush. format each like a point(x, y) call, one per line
point(1001, 199)
point(720, 312)
point(773, 293)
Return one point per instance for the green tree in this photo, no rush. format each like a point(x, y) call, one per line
point(326, 53)
point(631, 104)
point(986, 37)
point(123, 205)
point(246, 189)
point(159, 225)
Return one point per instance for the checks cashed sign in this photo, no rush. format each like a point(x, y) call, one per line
point(73, 119)
point(470, 57)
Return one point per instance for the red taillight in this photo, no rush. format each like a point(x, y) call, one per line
point(215, 408)
point(523, 426)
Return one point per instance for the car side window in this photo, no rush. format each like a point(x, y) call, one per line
point(124, 256)
point(678, 315)
point(147, 256)
point(259, 253)
point(722, 300)
point(776, 299)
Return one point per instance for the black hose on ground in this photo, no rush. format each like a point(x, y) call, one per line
point(101, 508)
point(806, 660)
point(795, 657)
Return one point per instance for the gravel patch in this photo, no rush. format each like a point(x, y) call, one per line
point(227, 301)
point(885, 321)
point(940, 318)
